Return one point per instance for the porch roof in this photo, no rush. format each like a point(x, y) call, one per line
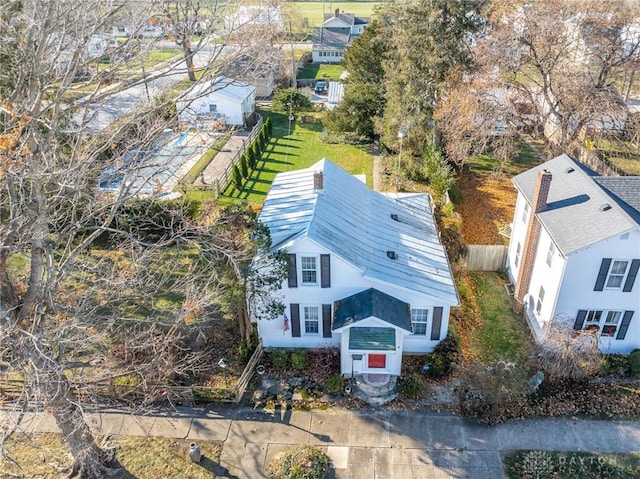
point(371, 302)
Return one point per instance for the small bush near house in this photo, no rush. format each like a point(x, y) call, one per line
point(279, 357)
point(411, 386)
point(299, 360)
point(335, 383)
point(303, 462)
point(634, 363)
point(443, 356)
point(616, 364)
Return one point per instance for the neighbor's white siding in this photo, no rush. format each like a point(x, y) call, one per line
point(577, 291)
point(230, 111)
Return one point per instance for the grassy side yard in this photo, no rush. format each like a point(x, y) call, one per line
point(570, 465)
point(320, 71)
point(299, 149)
point(313, 11)
point(623, 155)
point(140, 457)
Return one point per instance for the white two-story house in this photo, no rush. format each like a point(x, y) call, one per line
point(574, 252)
point(367, 273)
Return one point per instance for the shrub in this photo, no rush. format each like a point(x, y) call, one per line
point(299, 360)
point(237, 178)
point(290, 99)
point(443, 356)
point(279, 357)
point(302, 462)
point(257, 152)
point(251, 158)
point(411, 386)
point(438, 170)
point(335, 383)
point(244, 165)
point(634, 363)
point(618, 364)
point(269, 126)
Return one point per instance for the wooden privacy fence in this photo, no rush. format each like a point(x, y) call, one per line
point(223, 181)
point(485, 257)
point(149, 394)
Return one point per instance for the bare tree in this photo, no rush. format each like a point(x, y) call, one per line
point(558, 64)
point(91, 282)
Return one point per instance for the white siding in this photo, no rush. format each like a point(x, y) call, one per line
point(518, 233)
point(578, 293)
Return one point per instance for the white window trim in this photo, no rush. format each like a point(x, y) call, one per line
point(551, 252)
point(317, 258)
point(624, 275)
point(601, 323)
point(525, 212)
point(540, 301)
point(425, 321)
point(516, 258)
point(303, 319)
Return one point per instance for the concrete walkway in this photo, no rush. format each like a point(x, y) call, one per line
point(380, 444)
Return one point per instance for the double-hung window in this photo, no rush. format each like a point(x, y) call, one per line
point(550, 253)
point(516, 260)
point(311, 320)
point(419, 321)
point(540, 300)
point(309, 269)
point(525, 212)
point(617, 273)
point(605, 322)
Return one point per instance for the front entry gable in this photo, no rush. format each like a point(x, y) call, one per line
point(371, 303)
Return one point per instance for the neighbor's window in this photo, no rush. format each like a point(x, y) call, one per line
point(611, 323)
point(213, 108)
point(550, 253)
point(617, 273)
point(525, 212)
point(592, 320)
point(540, 300)
point(309, 270)
point(311, 324)
point(516, 260)
point(419, 320)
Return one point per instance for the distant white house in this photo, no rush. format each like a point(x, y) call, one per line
point(223, 99)
point(333, 37)
point(268, 16)
point(367, 272)
point(574, 252)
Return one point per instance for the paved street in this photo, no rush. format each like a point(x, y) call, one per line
point(366, 445)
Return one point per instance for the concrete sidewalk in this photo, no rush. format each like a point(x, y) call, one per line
point(362, 445)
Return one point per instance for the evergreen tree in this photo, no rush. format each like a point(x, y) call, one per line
point(244, 166)
point(237, 178)
point(257, 153)
point(251, 158)
point(269, 126)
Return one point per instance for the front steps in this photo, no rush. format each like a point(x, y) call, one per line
point(375, 392)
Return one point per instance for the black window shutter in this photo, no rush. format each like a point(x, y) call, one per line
point(602, 274)
point(626, 319)
point(437, 323)
point(578, 325)
point(326, 320)
point(292, 272)
point(631, 277)
point(325, 271)
point(295, 320)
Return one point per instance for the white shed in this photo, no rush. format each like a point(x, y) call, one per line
point(223, 99)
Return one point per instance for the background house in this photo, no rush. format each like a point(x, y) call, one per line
point(367, 272)
point(223, 99)
point(574, 252)
point(331, 39)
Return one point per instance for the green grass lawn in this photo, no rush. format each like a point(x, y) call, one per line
point(299, 149)
point(571, 465)
point(486, 163)
point(313, 11)
point(624, 155)
point(320, 71)
point(501, 334)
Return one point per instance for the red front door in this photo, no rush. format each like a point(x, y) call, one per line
point(378, 361)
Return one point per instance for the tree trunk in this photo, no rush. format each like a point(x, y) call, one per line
point(87, 456)
point(188, 58)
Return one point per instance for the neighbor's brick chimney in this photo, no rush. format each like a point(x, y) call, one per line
point(318, 181)
point(337, 12)
point(540, 195)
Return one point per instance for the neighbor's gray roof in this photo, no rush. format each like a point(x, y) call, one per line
point(625, 190)
point(348, 18)
point(371, 302)
point(330, 38)
point(355, 223)
point(574, 217)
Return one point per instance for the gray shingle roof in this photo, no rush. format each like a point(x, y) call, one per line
point(625, 190)
point(327, 39)
point(371, 302)
point(576, 216)
point(355, 223)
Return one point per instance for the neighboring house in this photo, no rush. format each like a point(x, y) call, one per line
point(336, 34)
point(259, 69)
point(367, 271)
point(574, 252)
point(264, 16)
point(223, 99)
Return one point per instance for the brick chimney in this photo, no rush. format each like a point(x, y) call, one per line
point(318, 181)
point(337, 12)
point(540, 195)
